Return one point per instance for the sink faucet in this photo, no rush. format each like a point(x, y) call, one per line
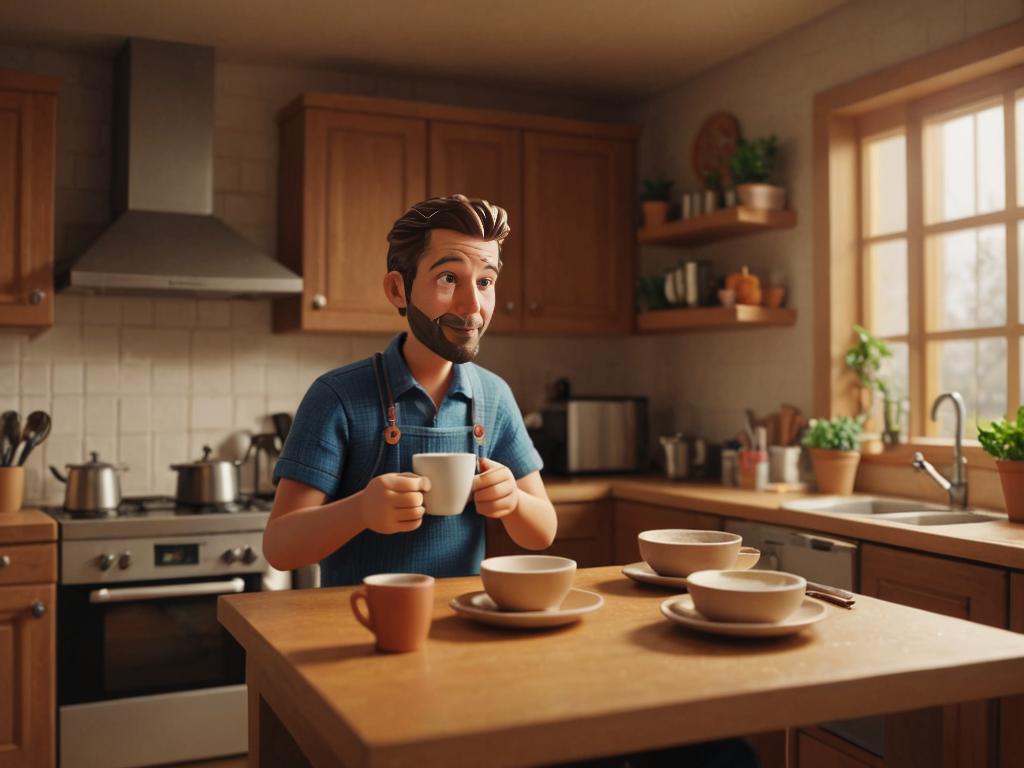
point(957, 488)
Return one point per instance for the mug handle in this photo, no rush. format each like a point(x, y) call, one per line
point(366, 619)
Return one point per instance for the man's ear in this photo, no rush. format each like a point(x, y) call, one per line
point(394, 289)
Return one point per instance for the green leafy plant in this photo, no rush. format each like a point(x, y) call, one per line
point(753, 162)
point(839, 434)
point(865, 359)
point(657, 189)
point(713, 181)
point(1002, 438)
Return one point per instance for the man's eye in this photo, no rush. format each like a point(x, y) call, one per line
point(447, 278)
point(485, 282)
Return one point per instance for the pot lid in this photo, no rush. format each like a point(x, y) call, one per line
point(93, 463)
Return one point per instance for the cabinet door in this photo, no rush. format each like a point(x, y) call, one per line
point(814, 748)
point(1011, 711)
point(965, 591)
point(27, 147)
point(345, 179)
point(27, 699)
point(584, 534)
point(632, 517)
point(578, 203)
point(485, 161)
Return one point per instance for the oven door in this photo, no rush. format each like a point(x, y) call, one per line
point(141, 638)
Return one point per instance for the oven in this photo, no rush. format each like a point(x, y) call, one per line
point(146, 675)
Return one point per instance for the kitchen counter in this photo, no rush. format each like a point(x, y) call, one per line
point(624, 679)
point(997, 542)
point(27, 526)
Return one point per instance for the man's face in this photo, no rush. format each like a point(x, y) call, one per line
point(452, 296)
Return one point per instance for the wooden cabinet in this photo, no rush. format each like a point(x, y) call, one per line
point(28, 706)
point(578, 194)
point(815, 748)
point(584, 534)
point(485, 161)
point(350, 166)
point(1011, 710)
point(968, 732)
point(28, 139)
point(345, 178)
point(632, 517)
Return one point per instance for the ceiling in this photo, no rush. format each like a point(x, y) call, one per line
point(621, 49)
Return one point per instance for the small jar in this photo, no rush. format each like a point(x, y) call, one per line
point(730, 467)
point(753, 470)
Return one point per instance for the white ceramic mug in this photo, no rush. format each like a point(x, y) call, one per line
point(451, 480)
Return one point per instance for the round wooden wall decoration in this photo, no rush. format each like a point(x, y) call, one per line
point(714, 145)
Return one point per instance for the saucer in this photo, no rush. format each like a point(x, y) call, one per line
point(680, 610)
point(480, 607)
point(643, 573)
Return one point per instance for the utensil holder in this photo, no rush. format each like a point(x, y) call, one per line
point(12, 488)
point(753, 470)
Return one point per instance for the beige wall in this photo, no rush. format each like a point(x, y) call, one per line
point(148, 382)
point(771, 90)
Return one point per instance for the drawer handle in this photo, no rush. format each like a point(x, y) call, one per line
point(5, 560)
point(37, 296)
point(319, 301)
point(38, 609)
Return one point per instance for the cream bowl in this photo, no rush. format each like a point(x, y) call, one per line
point(680, 552)
point(746, 596)
point(527, 582)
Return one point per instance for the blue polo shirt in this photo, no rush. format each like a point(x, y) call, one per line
point(335, 446)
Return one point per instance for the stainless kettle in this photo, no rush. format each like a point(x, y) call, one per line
point(91, 487)
point(207, 481)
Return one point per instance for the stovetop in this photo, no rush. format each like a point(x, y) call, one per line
point(162, 516)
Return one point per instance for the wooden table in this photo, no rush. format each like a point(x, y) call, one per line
point(623, 680)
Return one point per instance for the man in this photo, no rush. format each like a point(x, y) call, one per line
point(346, 497)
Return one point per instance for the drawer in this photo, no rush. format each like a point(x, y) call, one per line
point(28, 563)
point(584, 520)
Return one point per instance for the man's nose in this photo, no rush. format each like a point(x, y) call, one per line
point(467, 300)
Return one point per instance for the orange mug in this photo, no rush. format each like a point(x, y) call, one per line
point(399, 609)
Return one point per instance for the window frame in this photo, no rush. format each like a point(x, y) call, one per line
point(908, 92)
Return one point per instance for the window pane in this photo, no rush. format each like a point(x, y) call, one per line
point(969, 288)
point(964, 171)
point(887, 286)
point(896, 370)
point(976, 368)
point(885, 190)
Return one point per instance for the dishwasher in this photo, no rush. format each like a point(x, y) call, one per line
point(825, 560)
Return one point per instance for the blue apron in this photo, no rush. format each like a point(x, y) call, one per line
point(443, 545)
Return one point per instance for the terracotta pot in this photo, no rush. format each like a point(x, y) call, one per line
point(1011, 475)
point(655, 212)
point(835, 471)
point(764, 197)
point(12, 488)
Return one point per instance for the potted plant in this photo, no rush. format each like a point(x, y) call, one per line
point(1003, 440)
point(833, 445)
point(753, 172)
point(654, 199)
point(865, 359)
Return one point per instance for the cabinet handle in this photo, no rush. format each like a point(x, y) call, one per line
point(38, 609)
point(5, 560)
point(319, 301)
point(534, 307)
point(37, 296)
point(510, 307)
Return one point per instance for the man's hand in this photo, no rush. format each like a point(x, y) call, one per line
point(494, 490)
point(393, 503)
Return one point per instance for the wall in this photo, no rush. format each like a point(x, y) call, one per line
point(148, 382)
point(771, 90)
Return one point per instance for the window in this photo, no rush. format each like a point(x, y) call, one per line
point(941, 225)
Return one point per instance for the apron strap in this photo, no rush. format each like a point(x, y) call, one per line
point(392, 434)
point(479, 409)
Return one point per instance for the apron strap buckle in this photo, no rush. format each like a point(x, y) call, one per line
point(479, 433)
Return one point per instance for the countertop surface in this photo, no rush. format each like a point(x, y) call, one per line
point(27, 526)
point(997, 542)
point(622, 679)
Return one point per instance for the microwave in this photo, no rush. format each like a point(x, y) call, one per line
point(590, 435)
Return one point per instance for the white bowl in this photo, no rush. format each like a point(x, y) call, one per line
point(527, 582)
point(680, 552)
point(749, 596)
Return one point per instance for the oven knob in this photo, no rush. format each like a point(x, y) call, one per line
point(124, 560)
point(105, 561)
point(232, 555)
point(249, 556)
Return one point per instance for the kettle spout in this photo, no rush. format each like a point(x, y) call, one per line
point(56, 473)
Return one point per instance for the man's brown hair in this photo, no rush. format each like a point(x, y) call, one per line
point(410, 236)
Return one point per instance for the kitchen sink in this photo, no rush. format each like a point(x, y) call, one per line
point(906, 511)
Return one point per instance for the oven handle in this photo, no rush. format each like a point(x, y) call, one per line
point(130, 594)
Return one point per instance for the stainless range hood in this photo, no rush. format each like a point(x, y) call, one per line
point(165, 238)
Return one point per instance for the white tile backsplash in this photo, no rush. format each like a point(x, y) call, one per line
point(68, 378)
point(101, 379)
point(135, 415)
point(35, 378)
point(100, 415)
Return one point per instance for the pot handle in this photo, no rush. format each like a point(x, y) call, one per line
point(57, 474)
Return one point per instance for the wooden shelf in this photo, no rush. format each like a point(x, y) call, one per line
point(719, 225)
point(712, 318)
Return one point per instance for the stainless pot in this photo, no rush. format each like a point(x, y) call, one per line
point(207, 481)
point(685, 458)
point(91, 487)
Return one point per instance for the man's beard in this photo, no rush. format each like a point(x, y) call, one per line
point(431, 334)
